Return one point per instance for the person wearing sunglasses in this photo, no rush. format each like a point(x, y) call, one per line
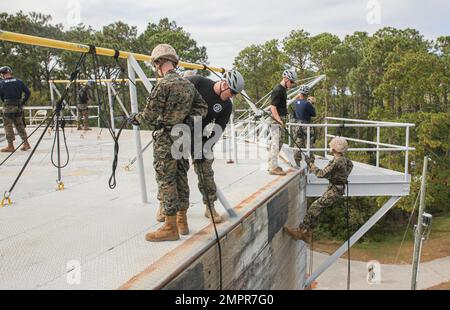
point(218, 95)
point(279, 111)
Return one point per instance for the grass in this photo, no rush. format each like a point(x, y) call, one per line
point(386, 251)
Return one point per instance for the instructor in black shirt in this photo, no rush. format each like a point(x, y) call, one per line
point(218, 97)
point(279, 111)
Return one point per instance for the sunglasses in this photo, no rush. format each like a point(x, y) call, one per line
point(233, 92)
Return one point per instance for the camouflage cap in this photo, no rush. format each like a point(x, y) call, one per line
point(339, 144)
point(165, 51)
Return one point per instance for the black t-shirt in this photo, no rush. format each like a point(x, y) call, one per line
point(278, 99)
point(219, 111)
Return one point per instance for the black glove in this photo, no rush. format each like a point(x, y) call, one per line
point(132, 119)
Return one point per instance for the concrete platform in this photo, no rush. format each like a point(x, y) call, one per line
point(364, 180)
point(90, 237)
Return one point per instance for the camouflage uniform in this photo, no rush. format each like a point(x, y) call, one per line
point(13, 116)
point(172, 101)
point(277, 139)
point(337, 172)
point(208, 178)
point(300, 135)
point(11, 90)
point(83, 106)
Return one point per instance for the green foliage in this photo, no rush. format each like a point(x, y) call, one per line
point(393, 75)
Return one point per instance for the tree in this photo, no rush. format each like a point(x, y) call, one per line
point(167, 31)
point(297, 48)
point(261, 66)
point(31, 63)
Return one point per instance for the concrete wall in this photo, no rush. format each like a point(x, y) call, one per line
point(256, 254)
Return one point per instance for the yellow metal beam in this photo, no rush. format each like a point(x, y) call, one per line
point(85, 81)
point(82, 48)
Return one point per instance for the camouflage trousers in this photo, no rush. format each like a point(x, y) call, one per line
point(171, 176)
point(276, 142)
point(208, 178)
point(11, 120)
point(300, 134)
point(330, 197)
point(83, 114)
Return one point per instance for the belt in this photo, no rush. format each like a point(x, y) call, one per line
point(12, 101)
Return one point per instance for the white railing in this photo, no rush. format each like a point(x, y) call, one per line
point(32, 119)
point(251, 128)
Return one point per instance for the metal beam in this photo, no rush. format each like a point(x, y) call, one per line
point(353, 239)
point(82, 48)
point(136, 130)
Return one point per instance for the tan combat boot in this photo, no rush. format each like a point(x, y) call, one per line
point(298, 234)
point(182, 224)
point(168, 232)
point(216, 216)
point(9, 149)
point(160, 217)
point(86, 124)
point(277, 171)
point(26, 146)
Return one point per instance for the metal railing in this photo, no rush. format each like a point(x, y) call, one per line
point(258, 130)
point(33, 118)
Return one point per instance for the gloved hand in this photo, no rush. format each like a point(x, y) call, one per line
point(309, 160)
point(132, 119)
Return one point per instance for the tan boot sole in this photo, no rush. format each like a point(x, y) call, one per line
point(217, 219)
point(151, 238)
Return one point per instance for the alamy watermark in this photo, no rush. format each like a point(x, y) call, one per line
point(374, 15)
point(373, 272)
point(74, 13)
point(73, 276)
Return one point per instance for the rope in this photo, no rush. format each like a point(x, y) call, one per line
point(31, 134)
point(219, 247)
point(56, 141)
point(407, 227)
point(112, 179)
point(58, 108)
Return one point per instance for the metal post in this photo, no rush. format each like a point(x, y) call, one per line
point(419, 229)
point(111, 109)
point(98, 116)
point(326, 140)
point(52, 94)
point(308, 136)
point(136, 131)
point(378, 147)
point(353, 239)
point(407, 153)
point(233, 139)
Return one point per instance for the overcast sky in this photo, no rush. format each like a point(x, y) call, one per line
point(226, 27)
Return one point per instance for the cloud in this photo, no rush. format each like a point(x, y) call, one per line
point(226, 27)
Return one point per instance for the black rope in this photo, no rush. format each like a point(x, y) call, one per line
point(112, 179)
point(208, 201)
point(62, 126)
point(219, 247)
point(7, 193)
point(58, 108)
point(29, 136)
